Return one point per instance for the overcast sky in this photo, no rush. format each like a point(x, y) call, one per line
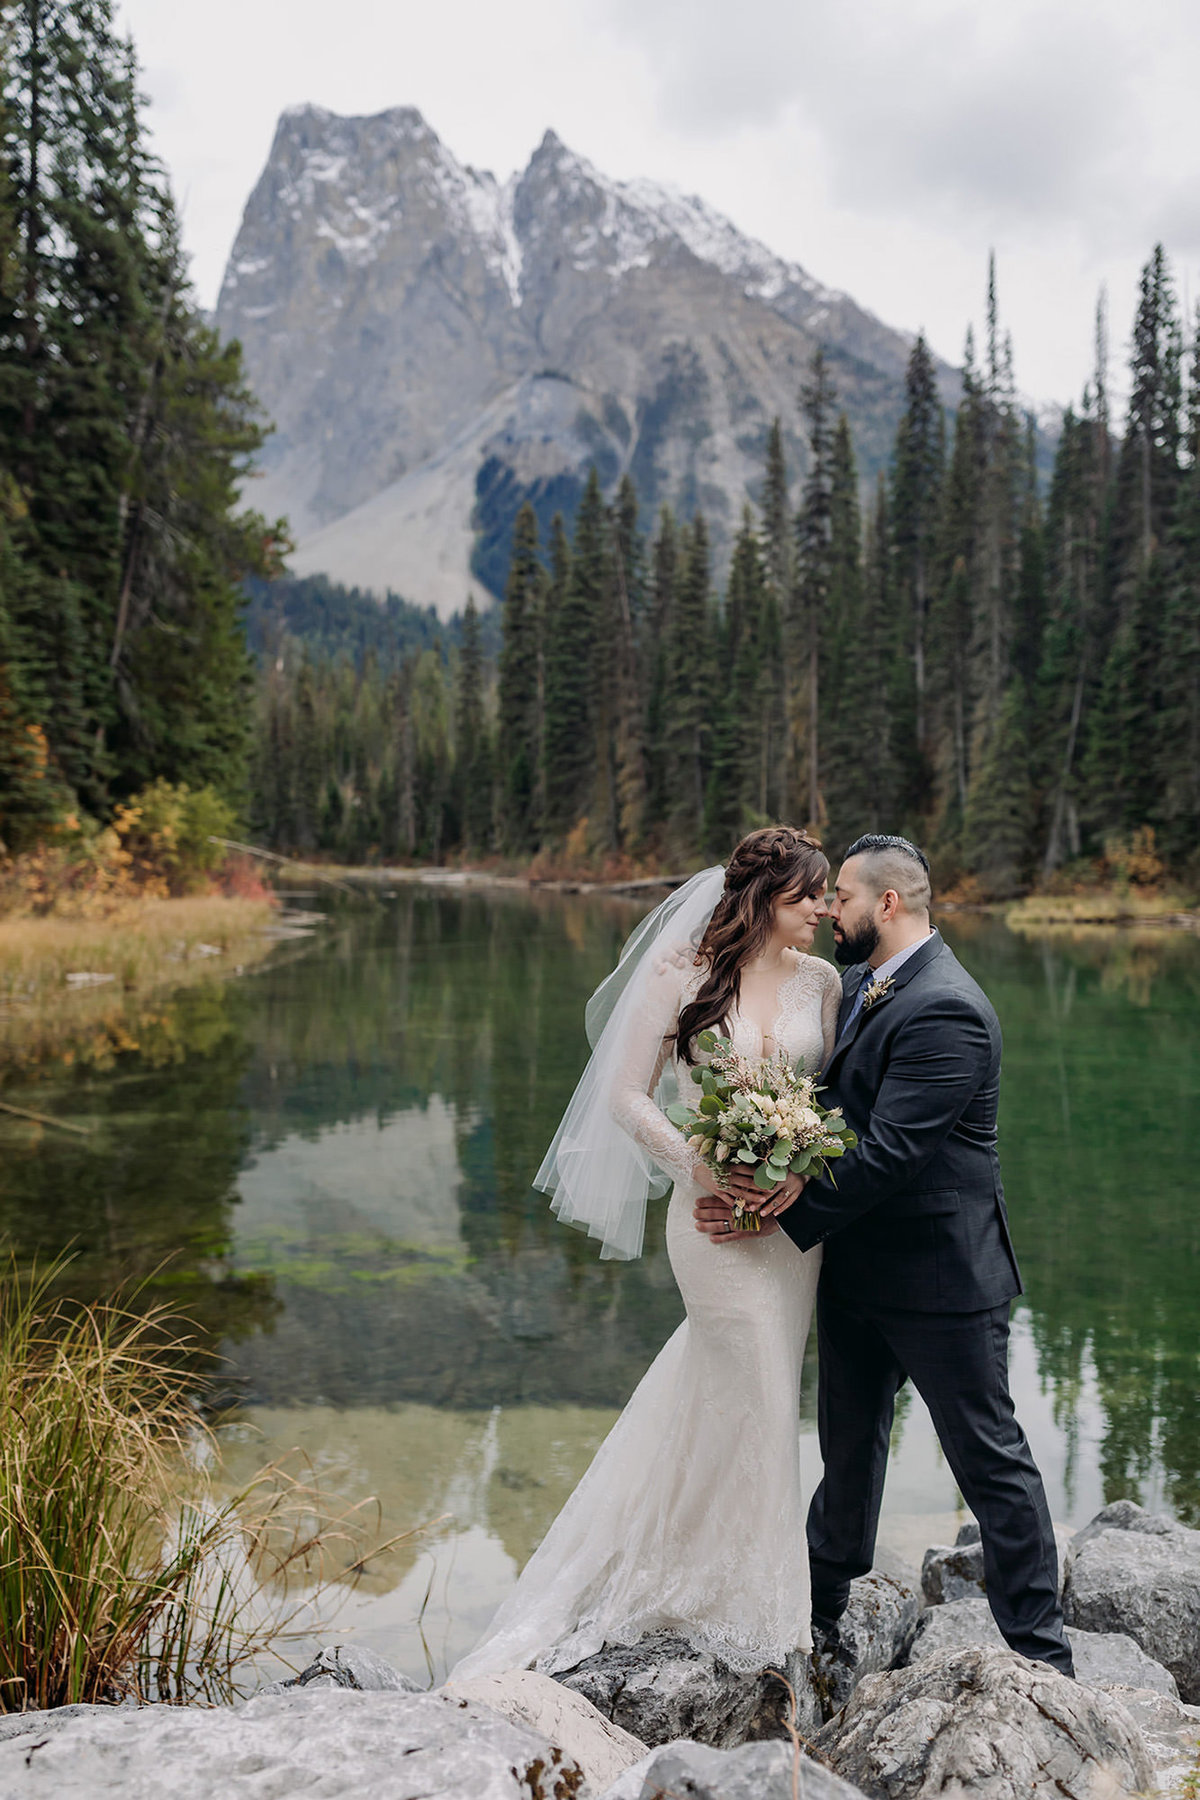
point(883, 146)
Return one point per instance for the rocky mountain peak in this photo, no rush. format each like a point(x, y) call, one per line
point(400, 313)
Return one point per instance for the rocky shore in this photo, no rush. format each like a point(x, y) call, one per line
point(918, 1697)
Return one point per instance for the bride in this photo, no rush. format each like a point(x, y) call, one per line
point(690, 1517)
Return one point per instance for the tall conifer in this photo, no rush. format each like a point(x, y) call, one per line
point(518, 700)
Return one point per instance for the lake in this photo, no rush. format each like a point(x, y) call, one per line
point(326, 1162)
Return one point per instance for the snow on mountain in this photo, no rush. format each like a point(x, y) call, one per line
point(435, 347)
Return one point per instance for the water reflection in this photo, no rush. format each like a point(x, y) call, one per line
point(336, 1152)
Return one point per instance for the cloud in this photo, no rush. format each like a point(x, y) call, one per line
point(1034, 114)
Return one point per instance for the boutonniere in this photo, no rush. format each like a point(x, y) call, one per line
point(875, 991)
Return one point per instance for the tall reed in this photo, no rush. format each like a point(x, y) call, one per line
point(123, 1569)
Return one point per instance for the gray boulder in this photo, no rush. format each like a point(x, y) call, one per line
point(871, 1631)
point(952, 1572)
point(664, 1688)
point(956, 1625)
point(1101, 1658)
point(1171, 1731)
point(1142, 1578)
point(560, 1716)
point(323, 1744)
point(986, 1723)
point(689, 1771)
point(1124, 1515)
point(348, 1666)
point(955, 1571)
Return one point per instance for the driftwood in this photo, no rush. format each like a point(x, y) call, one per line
point(22, 1112)
point(291, 861)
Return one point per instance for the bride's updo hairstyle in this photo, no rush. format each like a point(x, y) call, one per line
point(766, 865)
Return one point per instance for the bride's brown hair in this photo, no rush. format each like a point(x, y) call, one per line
point(777, 860)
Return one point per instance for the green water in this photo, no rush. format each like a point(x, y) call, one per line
point(327, 1163)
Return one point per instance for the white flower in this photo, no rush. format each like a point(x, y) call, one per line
point(722, 1152)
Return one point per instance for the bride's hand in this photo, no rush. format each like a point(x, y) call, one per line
point(714, 1217)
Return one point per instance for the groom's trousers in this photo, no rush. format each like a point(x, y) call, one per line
point(958, 1363)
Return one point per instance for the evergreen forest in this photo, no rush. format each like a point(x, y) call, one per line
point(1011, 676)
point(125, 430)
point(1005, 668)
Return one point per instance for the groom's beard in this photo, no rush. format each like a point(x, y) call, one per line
point(857, 946)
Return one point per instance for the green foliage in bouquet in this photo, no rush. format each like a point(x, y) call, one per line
point(763, 1115)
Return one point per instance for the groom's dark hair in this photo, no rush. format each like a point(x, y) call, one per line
point(893, 862)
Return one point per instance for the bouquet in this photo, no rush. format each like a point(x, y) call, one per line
point(761, 1115)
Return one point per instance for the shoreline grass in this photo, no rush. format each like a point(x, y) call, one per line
point(151, 948)
point(125, 1570)
point(1105, 906)
point(141, 944)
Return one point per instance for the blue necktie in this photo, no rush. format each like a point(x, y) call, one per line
point(857, 1007)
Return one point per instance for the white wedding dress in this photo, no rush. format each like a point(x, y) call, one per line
point(690, 1517)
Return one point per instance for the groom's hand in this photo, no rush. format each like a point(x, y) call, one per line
point(715, 1218)
point(770, 1202)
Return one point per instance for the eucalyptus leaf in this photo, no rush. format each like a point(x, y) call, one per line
point(697, 1074)
point(764, 1179)
point(710, 1105)
point(679, 1114)
point(783, 1150)
point(746, 1156)
point(706, 1040)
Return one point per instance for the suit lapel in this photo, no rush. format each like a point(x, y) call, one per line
point(904, 974)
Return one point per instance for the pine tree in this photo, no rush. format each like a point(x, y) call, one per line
point(127, 429)
point(916, 504)
point(655, 661)
point(519, 700)
point(1124, 723)
point(569, 738)
point(776, 517)
point(309, 752)
point(841, 646)
point(998, 817)
point(687, 710)
point(1176, 771)
point(472, 748)
point(811, 587)
point(625, 563)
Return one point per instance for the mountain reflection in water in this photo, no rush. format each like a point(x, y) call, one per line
point(334, 1153)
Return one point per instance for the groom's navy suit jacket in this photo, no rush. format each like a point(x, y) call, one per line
point(916, 1220)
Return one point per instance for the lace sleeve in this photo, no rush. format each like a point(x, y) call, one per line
point(831, 1005)
point(646, 1049)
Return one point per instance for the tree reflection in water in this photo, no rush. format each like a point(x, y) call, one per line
point(335, 1153)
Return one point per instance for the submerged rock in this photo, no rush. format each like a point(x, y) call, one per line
point(1139, 1574)
point(664, 1688)
point(987, 1723)
point(348, 1666)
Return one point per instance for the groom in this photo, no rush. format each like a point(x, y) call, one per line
point(919, 1270)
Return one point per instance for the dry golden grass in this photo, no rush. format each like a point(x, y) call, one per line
point(1102, 906)
point(146, 943)
point(124, 1567)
